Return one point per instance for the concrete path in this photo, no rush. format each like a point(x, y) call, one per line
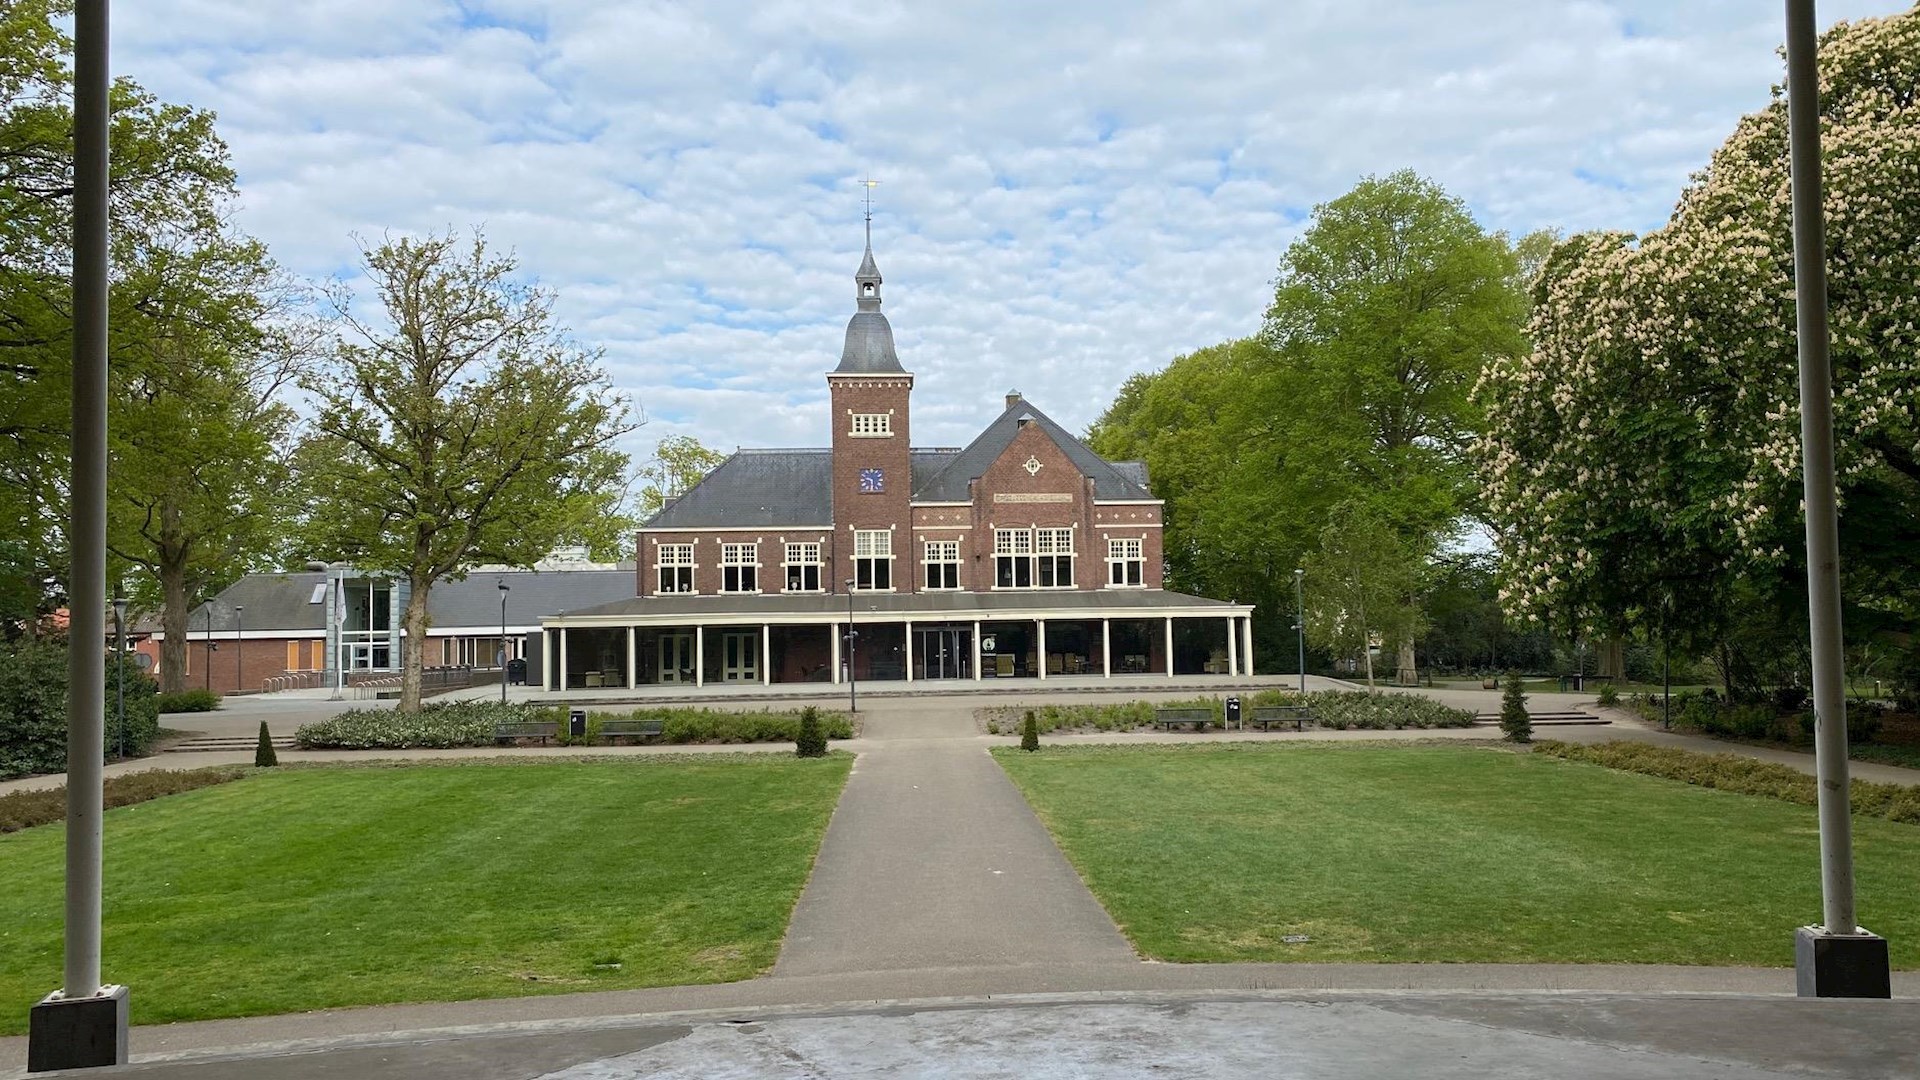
point(933, 860)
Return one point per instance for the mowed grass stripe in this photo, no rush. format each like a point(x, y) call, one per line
point(1446, 854)
point(319, 888)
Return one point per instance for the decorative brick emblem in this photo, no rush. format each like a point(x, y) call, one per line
point(1032, 466)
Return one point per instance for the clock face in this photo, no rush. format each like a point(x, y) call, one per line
point(872, 481)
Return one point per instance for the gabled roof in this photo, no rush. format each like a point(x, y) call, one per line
point(1110, 481)
point(285, 601)
point(773, 488)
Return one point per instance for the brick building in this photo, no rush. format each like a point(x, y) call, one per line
point(1022, 555)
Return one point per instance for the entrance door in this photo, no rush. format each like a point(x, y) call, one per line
point(943, 653)
point(740, 656)
point(676, 658)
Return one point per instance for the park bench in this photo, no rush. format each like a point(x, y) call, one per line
point(507, 731)
point(1268, 715)
point(1199, 718)
point(631, 728)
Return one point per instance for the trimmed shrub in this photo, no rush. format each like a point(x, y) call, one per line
point(1030, 733)
point(1732, 772)
point(1513, 711)
point(811, 740)
point(1609, 696)
point(263, 754)
point(198, 699)
point(33, 708)
point(25, 809)
point(1342, 709)
point(471, 723)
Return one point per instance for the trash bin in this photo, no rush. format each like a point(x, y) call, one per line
point(1233, 715)
point(517, 672)
point(577, 723)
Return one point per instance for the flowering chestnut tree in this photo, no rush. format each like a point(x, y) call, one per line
point(1641, 464)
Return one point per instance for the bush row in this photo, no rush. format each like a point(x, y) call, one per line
point(1708, 714)
point(198, 699)
point(1731, 772)
point(25, 809)
point(1342, 709)
point(33, 708)
point(444, 724)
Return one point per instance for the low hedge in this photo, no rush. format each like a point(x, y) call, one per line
point(25, 809)
point(198, 699)
point(1341, 709)
point(446, 724)
point(1732, 772)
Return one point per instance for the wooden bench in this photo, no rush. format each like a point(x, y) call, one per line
point(631, 729)
point(508, 731)
point(1268, 715)
point(1199, 718)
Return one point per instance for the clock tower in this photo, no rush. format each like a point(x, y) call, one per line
point(872, 465)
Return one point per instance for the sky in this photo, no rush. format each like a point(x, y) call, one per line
point(1069, 193)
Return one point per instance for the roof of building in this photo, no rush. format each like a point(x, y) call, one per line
point(869, 347)
point(773, 488)
point(1127, 480)
point(1094, 603)
point(297, 601)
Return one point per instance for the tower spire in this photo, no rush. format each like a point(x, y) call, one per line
point(869, 184)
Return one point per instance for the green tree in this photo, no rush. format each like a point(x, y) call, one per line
point(1514, 719)
point(462, 428)
point(1359, 584)
point(264, 756)
point(1030, 733)
point(1642, 463)
point(679, 462)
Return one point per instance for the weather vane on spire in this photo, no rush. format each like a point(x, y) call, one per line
point(869, 184)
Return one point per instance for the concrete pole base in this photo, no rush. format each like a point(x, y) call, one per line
point(78, 1033)
point(1840, 965)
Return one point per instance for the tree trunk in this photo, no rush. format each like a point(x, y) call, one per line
point(1409, 672)
point(174, 614)
point(1613, 657)
point(413, 650)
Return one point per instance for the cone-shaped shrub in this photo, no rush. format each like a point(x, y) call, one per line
point(1513, 711)
point(812, 740)
point(263, 755)
point(1030, 732)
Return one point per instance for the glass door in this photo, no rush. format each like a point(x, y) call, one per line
point(943, 653)
point(676, 658)
point(740, 656)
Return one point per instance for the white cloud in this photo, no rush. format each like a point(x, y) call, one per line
point(1071, 192)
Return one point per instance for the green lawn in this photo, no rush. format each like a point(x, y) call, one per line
point(318, 887)
point(1450, 854)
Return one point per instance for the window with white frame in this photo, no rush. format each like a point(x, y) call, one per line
point(872, 425)
point(1033, 558)
point(739, 568)
point(676, 568)
point(943, 564)
point(803, 567)
point(873, 558)
point(1126, 563)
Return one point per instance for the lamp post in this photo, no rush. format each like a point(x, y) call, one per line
point(120, 666)
point(239, 649)
point(1300, 621)
point(853, 700)
point(208, 673)
point(504, 590)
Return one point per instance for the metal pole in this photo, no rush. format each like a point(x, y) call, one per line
point(120, 667)
point(853, 700)
point(86, 591)
point(239, 648)
point(208, 673)
point(1300, 622)
point(1816, 441)
point(503, 642)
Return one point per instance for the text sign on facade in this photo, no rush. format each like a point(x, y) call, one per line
point(1031, 497)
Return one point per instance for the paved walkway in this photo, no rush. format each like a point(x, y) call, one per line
point(933, 860)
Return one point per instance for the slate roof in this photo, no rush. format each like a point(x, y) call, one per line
point(1110, 481)
point(281, 601)
point(869, 347)
point(1095, 603)
point(773, 488)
